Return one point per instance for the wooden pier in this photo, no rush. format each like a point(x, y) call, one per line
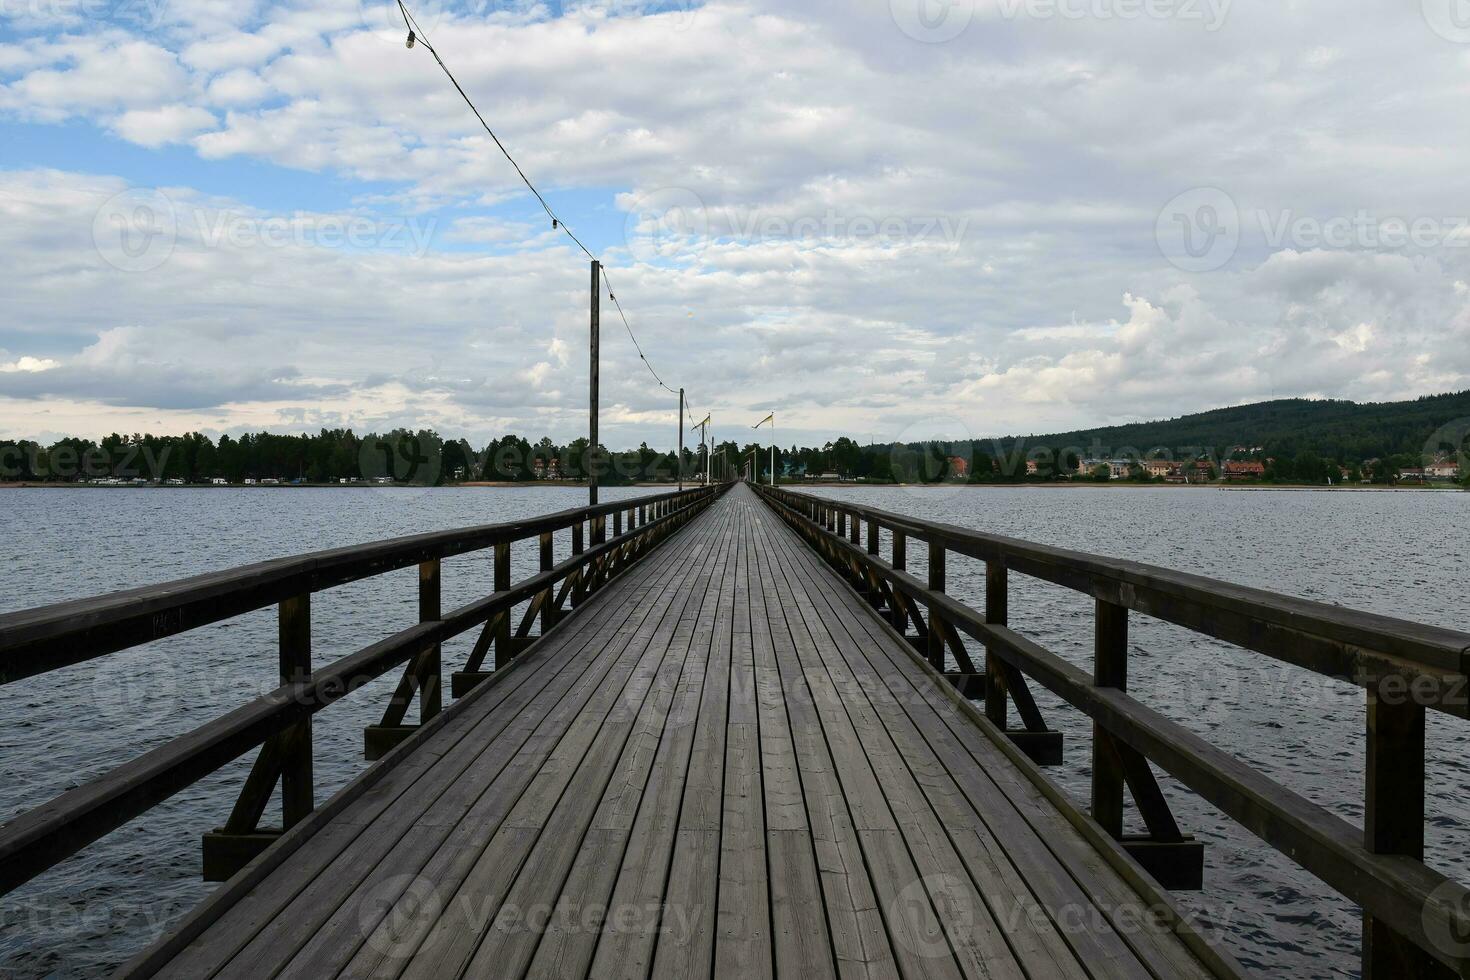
point(741, 745)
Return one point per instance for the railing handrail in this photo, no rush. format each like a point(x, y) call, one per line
point(46, 638)
point(1434, 650)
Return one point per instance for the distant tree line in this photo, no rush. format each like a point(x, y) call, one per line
point(403, 456)
point(1298, 441)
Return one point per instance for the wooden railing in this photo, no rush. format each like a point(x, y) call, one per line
point(49, 638)
point(1416, 921)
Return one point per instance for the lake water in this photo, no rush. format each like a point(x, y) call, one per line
point(1404, 554)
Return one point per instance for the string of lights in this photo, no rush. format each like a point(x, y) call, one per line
point(416, 35)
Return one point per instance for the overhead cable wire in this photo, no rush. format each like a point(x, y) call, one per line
point(416, 34)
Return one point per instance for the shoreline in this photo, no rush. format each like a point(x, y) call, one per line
point(579, 484)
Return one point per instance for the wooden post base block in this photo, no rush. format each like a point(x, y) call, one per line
point(972, 686)
point(461, 682)
point(1043, 748)
point(379, 740)
point(226, 853)
point(1177, 865)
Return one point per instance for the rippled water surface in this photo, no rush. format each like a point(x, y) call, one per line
point(59, 730)
point(1404, 554)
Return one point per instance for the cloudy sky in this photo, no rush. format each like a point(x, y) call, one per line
point(884, 218)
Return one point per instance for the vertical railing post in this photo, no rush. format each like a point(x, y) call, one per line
point(872, 535)
point(294, 628)
point(580, 575)
point(1110, 669)
point(900, 563)
point(936, 584)
point(503, 652)
point(1393, 822)
point(548, 615)
point(997, 613)
point(431, 693)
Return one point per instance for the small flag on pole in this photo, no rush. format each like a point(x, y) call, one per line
point(768, 418)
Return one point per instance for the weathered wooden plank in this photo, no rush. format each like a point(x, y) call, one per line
point(861, 946)
point(743, 940)
point(1021, 880)
point(543, 882)
point(474, 876)
point(1049, 853)
point(610, 904)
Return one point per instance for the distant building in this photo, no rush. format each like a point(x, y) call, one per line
point(959, 466)
point(1161, 468)
point(1249, 469)
point(1031, 467)
point(1445, 469)
point(1411, 474)
point(220, 481)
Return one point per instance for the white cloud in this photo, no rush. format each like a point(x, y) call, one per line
point(884, 230)
point(95, 75)
point(166, 124)
point(238, 87)
point(30, 365)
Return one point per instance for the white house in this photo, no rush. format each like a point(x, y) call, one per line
point(1445, 469)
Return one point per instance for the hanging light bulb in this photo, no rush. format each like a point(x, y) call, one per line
point(409, 42)
point(555, 224)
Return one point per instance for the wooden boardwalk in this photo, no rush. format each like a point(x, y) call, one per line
point(724, 764)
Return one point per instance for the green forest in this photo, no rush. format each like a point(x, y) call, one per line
point(1297, 440)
